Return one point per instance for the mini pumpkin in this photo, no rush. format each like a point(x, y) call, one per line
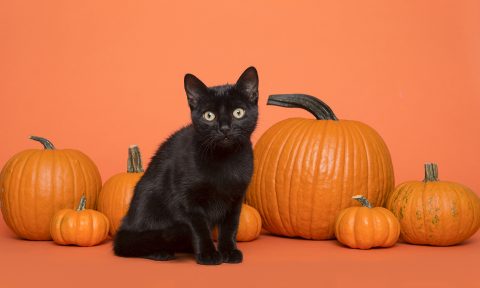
point(81, 227)
point(434, 212)
point(117, 192)
point(250, 224)
point(34, 184)
point(306, 171)
point(366, 227)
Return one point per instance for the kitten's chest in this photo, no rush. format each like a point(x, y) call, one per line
point(230, 173)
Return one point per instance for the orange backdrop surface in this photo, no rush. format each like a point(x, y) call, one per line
point(101, 75)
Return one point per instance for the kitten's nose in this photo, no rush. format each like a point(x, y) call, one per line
point(225, 129)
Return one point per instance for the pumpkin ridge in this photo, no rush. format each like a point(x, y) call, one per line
point(472, 223)
point(406, 192)
point(263, 161)
point(62, 222)
point(317, 158)
point(367, 159)
point(286, 137)
point(275, 223)
point(355, 224)
point(75, 181)
point(288, 161)
point(345, 176)
point(20, 214)
point(35, 188)
point(386, 222)
point(6, 201)
point(292, 153)
point(332, 142)
point(85, 175)
point(91, 238)
point(301, 155)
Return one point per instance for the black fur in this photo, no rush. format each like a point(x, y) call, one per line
point(196, 180)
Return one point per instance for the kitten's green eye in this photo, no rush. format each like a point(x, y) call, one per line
point(238, 113)
point(209, 116)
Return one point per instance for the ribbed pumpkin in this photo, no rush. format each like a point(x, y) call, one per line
point(117, 192)
point(250, 224)
point(366, 227)
point(433, 212)
point(306, 171)
point(34, 184)
point(81, 227)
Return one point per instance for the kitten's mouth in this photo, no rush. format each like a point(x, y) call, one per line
point(226, 141)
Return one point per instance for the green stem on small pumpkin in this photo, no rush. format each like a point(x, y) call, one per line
point(362, 200)
point(45, 142)
point(82, 204)
point(134, 162)
point(317, 107)
point(431, 172)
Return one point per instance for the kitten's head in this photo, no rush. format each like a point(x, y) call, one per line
point(224, 116)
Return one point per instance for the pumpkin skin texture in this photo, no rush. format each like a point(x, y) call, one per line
point(34, 184)
point(250, 225)
point(433, 212)
point(81, 227)
point(306, 171)
point(117, 192)
point(366, 227)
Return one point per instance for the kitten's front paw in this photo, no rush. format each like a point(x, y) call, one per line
point(232, 256)
point(212, 258)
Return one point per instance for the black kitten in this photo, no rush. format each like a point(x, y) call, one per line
point(197, 179)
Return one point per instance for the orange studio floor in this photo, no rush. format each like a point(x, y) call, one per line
point(268, 262)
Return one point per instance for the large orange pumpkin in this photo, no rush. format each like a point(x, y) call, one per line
point(117, 192)
point(434, 212)
point(366, 227)
point(81, 227)
point(306, 171)
point(34, 184)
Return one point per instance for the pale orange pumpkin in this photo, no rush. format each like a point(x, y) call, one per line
point(81, 227)
point(34, 184)
point(117, 192)
point(366, 227)
point(433, 212)
point(306, 171)
point(250, 224)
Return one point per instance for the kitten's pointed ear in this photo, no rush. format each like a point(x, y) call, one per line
point(194, 88)
point(248, 84)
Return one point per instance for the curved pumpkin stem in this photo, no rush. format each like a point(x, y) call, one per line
point(318, 108)
point(362, 200)
point(134, 162)
point(431, 172)
point(45, 142)
point(82, 204)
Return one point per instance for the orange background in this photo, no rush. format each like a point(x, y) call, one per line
point(101, 75)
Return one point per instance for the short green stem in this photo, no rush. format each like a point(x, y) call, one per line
point(82, 204)
point(45, 142)
point(134, 162)
point(362, 200)
point(431, 172)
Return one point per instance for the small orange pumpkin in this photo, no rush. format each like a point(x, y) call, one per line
point(34, 184)
point(250, 224)
point(306, 171)
point(433, 212)
point(366, 227)
point(81, 227)
point(117, 192)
